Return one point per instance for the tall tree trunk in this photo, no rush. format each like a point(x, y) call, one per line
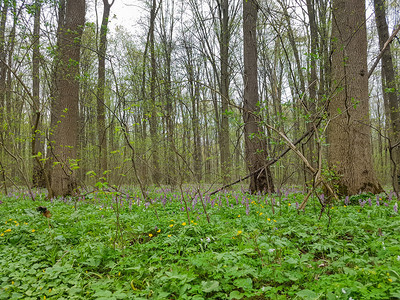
point(312, 81)
point(389, 88)
point(101, 114)
point(38, 176)
point(156, 175)
point(349, 134)
point(166, 37)
point(255, 143)
point(225, 153)
point(65, 114)
point(3, 57)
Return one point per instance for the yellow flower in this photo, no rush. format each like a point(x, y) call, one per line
point(49, 290)
point(2, 234)
point(195, 223)
point(171, 225)
point(172, 221)
point(9, 219)
point(33, 230)
point(7, 230)
point(268, 219)
point(119, 273)
point(239, 232)
point(390, 279)
point(17, 224)
point(169, 235)
point(191, 221)
point(150, 235)
point(184, 224)
point(25, 223)
point(159, 230)
point(344, 206)
point(274, 220)
point(12, 282)
point(332, 207)
point(289, 204)
point(238, 216)
point(44, 297)
point(261, 213)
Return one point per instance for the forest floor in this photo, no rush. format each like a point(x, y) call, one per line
point(114, 246)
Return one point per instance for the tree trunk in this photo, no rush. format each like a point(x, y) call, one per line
point(38, 176)
point(255, 143)
point(389, 88)
point(65, 107)
point(349, 134)
point(226, 159)
point(156, 175)
point(101, 115)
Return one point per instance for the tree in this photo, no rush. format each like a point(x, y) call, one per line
point(153, 121)
point(226, 159)
point(389, 88)
point(349, 134)
point(36, 147)
point(101, 115)
point(65, 106)
point(255, 144)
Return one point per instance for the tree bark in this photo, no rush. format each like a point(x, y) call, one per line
point(65, 106)
point(349, 134)
point(225, 153)
point(101, 114)
point(156, 175)
point(255, 143)
point(38, 176)
point(389, 88)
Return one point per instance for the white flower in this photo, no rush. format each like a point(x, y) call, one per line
point(398, 257)
point(343, 291)
point(208, 239)
point(271, 250)
point(351, 298)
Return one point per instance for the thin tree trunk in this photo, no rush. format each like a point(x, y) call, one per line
point(38, 176)
point(101, 114)
point(156, 175)
point(225, 153)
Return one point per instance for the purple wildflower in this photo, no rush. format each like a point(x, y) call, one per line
point(346, 200)
point(377, 200)
point(369, 202)
point(395, 208)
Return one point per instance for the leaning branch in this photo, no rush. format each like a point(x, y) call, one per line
point(395, 32)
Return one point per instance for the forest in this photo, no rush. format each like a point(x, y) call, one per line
point(206, 149)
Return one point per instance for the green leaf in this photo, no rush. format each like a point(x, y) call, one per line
point(210, 286)
point(244, 283)
point(235, 295)
point(307, 294)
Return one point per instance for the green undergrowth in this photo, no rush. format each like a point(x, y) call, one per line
point(94, 249)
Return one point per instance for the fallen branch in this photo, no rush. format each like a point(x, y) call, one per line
point(269, 163)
